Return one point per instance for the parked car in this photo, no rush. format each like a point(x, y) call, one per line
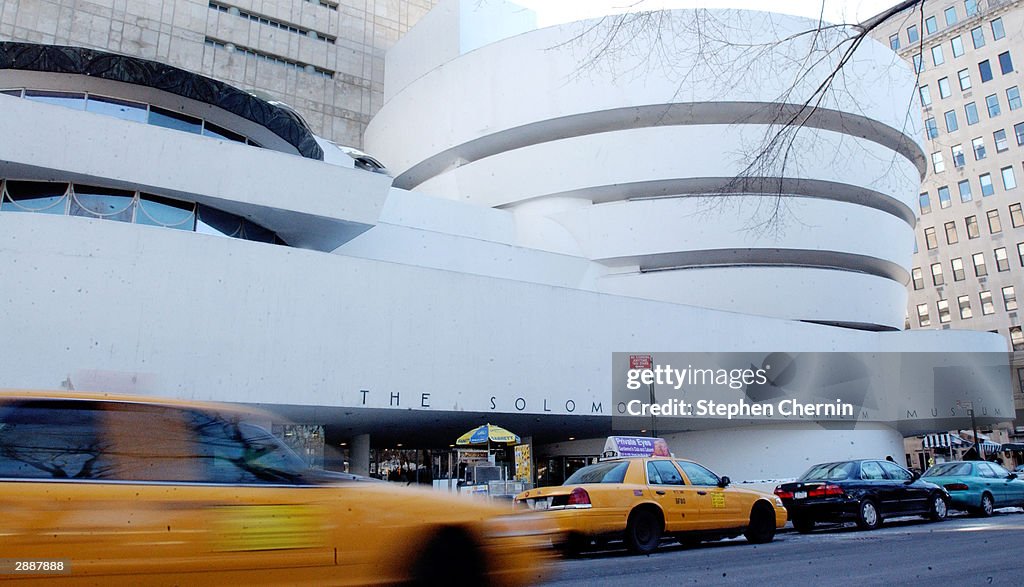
point(138, 490)
point(861, 491)
point(977, 486)
point(641, 499)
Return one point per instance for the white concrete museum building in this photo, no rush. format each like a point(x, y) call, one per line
point(545, 206)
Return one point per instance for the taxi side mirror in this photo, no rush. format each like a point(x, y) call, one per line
point(914, 475)
point(724, 481)
point(1011, 476)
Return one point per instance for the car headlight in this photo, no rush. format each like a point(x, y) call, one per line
point(778, 501)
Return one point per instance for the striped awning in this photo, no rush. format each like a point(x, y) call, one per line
point(944, 441)
point(991, 447)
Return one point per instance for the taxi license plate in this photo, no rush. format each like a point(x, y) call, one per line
point(800, 495)
point(541, 504)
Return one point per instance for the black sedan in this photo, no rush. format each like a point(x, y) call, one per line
point(864, 491)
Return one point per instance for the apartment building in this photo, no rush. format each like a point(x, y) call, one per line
point(968, 269)
point(324, 58)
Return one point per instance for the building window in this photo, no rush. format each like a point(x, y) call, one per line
point(980, 269)
point(951, 124)
point(925, 203)
point(957, 44)
point(1000, 138)
point(971, 7)
point(964, 302)
point(992, 102)
point(1013, 97)
point(951, 236)
point(986, 184)
point(987, 307)
point(1009, 179)
point(958, 161)
point(944, 201)
point(978, 144)
point(931, 25)
point(1017, 338)
point(912, 35)
point(1005, 62)
point(978, 36)
point(937, 278)
point(997, 29)
point(1018, 129)
point(931, 127)
point(985, 70)
point(1020, 254)
point(894, 42)
point(929, 238)
point(922, 315)
point(994, 225)
point(958, 268)
point(971, 111)
point(918, 63)
point(1002, 261)
point(918, 277)
point(944, 91)
point(1010, 298)
point(937, 57)
point(938, 165)
point(965, 79)
point(1016, 216)
point(972, 227)
point(943, 306)
point(950, 14)
point(926, 95)
point(965, 190)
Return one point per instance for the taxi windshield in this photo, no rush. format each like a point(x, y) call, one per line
point(600, 473)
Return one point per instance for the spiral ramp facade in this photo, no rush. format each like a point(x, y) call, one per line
point(662, 174)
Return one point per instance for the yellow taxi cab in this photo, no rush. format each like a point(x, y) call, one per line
point(643, 498)
point(100, 489)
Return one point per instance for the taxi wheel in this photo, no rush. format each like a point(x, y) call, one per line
point(574, 545)
point(643, 531)
point(450, 557)
point(762, 525)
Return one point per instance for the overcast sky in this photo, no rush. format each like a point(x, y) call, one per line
point(551, 12)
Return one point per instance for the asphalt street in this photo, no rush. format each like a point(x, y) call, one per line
point(959, 551)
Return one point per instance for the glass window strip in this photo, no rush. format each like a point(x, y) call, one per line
point(305, 67)
point(136, 204)
point(278, 24)
point(215, 131)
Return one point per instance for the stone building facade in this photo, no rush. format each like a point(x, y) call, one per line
point(325, 58)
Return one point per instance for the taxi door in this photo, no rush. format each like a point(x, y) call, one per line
point(719, 507)
point(677, 500)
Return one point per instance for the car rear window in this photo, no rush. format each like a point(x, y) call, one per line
point(948, 470)
point(830, 472)
point(611, 472)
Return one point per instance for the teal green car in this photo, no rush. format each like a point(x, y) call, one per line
point(977, 486)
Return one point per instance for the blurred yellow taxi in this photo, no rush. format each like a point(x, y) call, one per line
point(98, 488)
point(643, 499)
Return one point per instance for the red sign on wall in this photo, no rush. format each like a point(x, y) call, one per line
point(641, 362)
